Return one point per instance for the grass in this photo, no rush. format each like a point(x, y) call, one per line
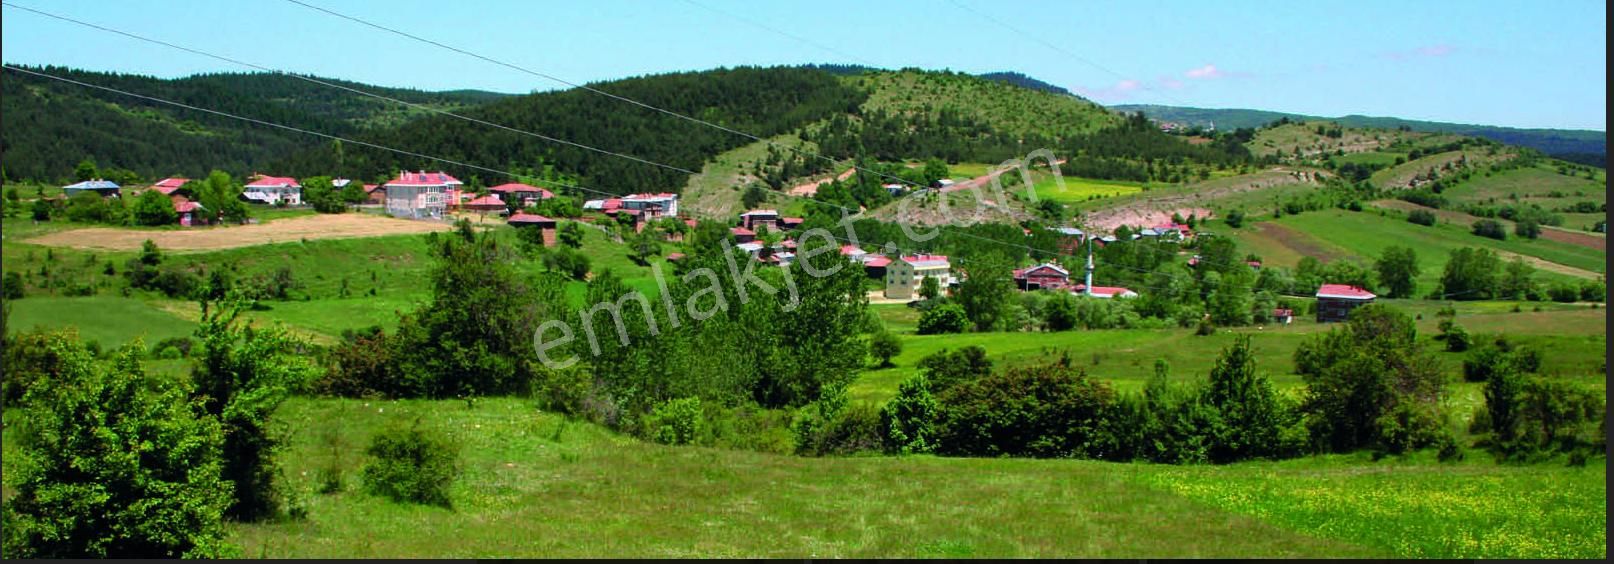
point(1529, 184)
point(536, 486)
point(1076, 189)
point(1370, 158)
point(1363, 236)
point(110, 320)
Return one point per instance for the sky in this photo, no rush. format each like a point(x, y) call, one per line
point(1535, 63)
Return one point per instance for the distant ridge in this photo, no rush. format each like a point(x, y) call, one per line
point(1023, 81)
point(1576, 145)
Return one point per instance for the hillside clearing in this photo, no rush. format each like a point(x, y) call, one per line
point(322, 226)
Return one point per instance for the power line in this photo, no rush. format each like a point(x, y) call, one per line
point(346, 88)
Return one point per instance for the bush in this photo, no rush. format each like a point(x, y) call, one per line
point(831, 426)
point(1528, 229)
point(1421, 217)
point(412, 465)
point(1234, 219)
point(1593, 291)
point(1457, 339)
point(567, 261)
point(106, 501)
point(1490, 228)
point(1564, 292)
point(884, 345)
point(11, 287)
point(676, 422)
point(1046, 410)
point(909, 419)
point(945, 318)
point(944, 369)
point(181, 344)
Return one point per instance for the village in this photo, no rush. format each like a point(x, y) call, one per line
point(436, 196)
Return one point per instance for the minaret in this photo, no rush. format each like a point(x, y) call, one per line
point(1088, 289)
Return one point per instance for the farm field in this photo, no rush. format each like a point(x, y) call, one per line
point(1333, 234)
point(1077, 189)
point(537, 486)
point(324, 226)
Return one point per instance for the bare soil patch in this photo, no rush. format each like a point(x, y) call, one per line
point(1296, 241)
point(333, 226)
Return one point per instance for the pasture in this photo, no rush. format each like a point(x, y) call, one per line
point(536, 485)
point(1073, 189)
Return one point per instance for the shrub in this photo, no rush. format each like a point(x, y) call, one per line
point(75, 501)
point(676, 422)
point(909, 419)
point(1564, 292)
point(884, 345)
point(1046, 410)
point(11, 287)
point(1234, 219)
point(1593, 291)
point(181, 344)
point(1456, 338)
point(1490, 228)
point(1528, 229)
point(944, 369)
point(945, 318)
point(831, 426)
point(412, 465)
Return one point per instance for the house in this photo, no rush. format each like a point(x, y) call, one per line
point(874, 265)
point(488, 203)
point(1104, 292)
point(904, 276)
point(1172, 230)
point(419, 195)
point(523, 220)
point(1283, 316)
point(743, 235)
point(790, 223)
point(375, 194)
point(171, 187)
point(853, 253)
point(274, 190)
point(523, 195)
point(755, 249)
point(652, 205)
point(98, 186)
point(1335, 301)
point(190, 213)
point(1046, 276)
point(893, 189)
point(758, 218)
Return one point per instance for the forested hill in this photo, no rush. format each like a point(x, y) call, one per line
point(1023, 81)
point(1578, 145)
point(47, 126)
point(884, 115)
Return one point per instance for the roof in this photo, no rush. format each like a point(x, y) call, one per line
point(488, 200)
point(1105, 291)
point(1022, 272)
point(749, 247)
point(790, 220)
point(1069, 231)
point(760, 212)
point(275, 182)
point(852, 250)
point(513, 187)
point(659, 196)
point(96, 184)
point(1344, 291)
point(169, 185)
point(675, 256)
point(524, 217)
point(876, 261)
point(741, 231)
point(926, 261)
point(1171, 226)
point(371, 187)
point(423, 178)
point(341, 182)
point(187, 206)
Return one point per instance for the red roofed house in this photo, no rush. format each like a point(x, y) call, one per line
point(788, 223)
point(1104, 292)
point(274, 190)
point(652, 205)
point(522, 194)
point(904, 276)
point(523, 220)
point(743, 235)
point(419, 195)
point(853, 252)
point(375, 194)
point(170, 187)
point(757, 218)
point(1042, 277)
point(488, 203)
point(1335, 301)
point(190, 213)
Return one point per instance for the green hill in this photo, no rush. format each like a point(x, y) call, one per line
point(47, 126)
point(1576, 145)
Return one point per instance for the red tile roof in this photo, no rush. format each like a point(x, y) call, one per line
point(488, 200)
point(851, 250)
point(184, 207)
point(877, 262)
point(169, 185)
point(274, 182)
point(519, 187)
point(371, 187)
point(524, 217)
point(741, 231)
point(423, 178)
point(1344, 291)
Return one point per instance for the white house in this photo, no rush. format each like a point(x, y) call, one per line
point(419, 195)
point(652, 205)
point(273, 190)
point(904, 276)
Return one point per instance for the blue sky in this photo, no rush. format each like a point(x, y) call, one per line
point(1521, 64)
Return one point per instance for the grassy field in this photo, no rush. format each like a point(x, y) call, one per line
point(536, 486)
point(1370, 158)
point(1076, 189)
point(1363, 236)
point(109, 320)
point(1537, 184)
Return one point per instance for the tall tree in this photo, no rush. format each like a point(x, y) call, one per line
point(988, 284)
point(1398, 271)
